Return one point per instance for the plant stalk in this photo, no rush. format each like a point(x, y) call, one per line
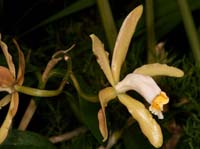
point(40, 92)
point(190, 29)
point(70, 74)
point(32, 106)
point(91, 98)
point(108, 22)
point(151, 42)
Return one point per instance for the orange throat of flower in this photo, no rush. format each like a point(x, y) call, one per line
point(157, 104)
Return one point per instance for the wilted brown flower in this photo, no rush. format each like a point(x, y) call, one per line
point(8, 79)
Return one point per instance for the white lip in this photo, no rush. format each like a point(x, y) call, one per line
point(142, 84)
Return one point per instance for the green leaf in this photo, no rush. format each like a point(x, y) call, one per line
point(167, 16)
point(83, 142)
point(73, 8)
point(24, 139)
point(133, 138)
point(89, 112)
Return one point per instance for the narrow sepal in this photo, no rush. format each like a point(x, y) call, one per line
point(123, 40)
point(105, 95)
point(157, 69)
point(148, 125)
point(102, 57)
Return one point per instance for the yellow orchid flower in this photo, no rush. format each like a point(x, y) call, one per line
point(140, 81)
point(8, 79)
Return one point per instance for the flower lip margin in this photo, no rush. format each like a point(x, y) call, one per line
point(142, 84)
point(158, 103)
point(146, 87)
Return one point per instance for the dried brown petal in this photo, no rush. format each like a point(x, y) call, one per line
point(49, 67)
point(6, 80)
point(15, 98)
point(4, 101)
point(7, 122)
point(21, 69)
point(8, 57)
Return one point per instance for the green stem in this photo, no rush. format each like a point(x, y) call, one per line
point(190, 29)
point(108, 22)
point(74, 106)
point(91, 98)
point(151, 42)
point(42, 83)
point(40, 92)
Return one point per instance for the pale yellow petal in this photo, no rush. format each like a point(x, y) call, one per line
point(148, 125)
point(21, 68)
point(157, 69)
point(8, 57)
point(123, 40)
point(102, 57)
point(102, 124)
point(105, 95)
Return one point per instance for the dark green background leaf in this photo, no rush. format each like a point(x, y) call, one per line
point(134, 139)
point(25, 139)
point(89, 112)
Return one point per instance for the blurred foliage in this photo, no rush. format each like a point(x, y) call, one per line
point(44, 27)
point(23, 140)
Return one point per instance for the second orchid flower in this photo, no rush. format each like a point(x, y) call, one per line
point(140, 80)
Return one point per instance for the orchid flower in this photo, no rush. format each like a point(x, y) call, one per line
point(140, 81)
point(8, 79)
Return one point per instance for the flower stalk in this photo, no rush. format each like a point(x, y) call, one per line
point(90, 98)
point(39, 92)
point(48, 72)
